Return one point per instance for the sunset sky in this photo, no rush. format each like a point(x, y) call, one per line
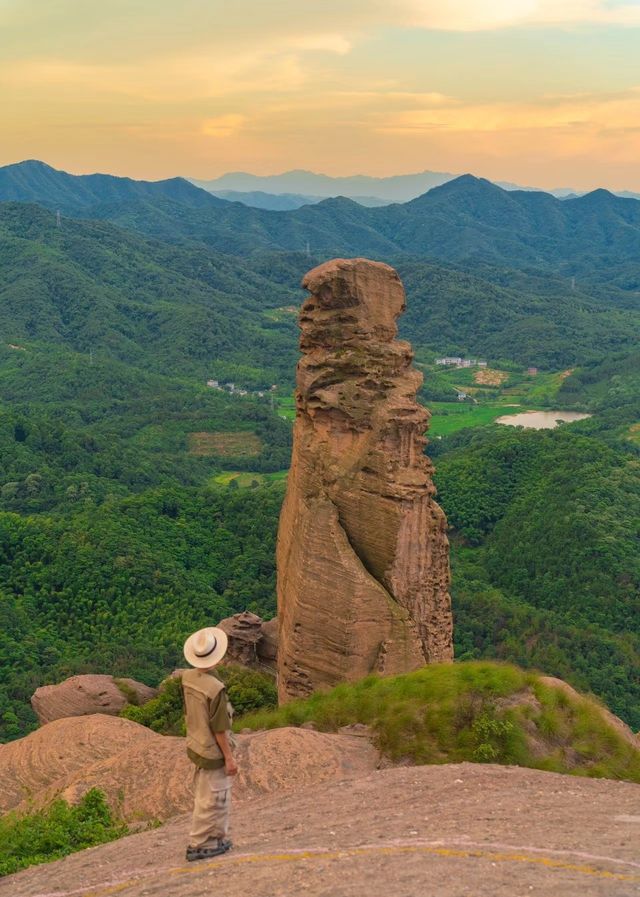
point(540, 92)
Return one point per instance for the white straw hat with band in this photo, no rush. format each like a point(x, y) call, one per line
point(206, 647)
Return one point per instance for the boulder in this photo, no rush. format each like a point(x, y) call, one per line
point(362, 555)
point(92, 693)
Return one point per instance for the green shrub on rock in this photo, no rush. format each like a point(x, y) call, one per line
point(164, 713)
point(248, 690)
point(58, 830)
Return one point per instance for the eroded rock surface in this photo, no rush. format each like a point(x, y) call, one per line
point(252, 642)
point(147, 776)
point(91, 693)
point(363, 561)
point(61, 750)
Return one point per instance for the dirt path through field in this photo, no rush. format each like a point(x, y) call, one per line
point(449, 831)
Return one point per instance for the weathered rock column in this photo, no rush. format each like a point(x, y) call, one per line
point(363, 555)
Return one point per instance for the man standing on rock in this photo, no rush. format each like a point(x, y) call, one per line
point(208, 716)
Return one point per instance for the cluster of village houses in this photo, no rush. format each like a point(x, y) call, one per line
point(234, 390)
point(462, 362)
point(473, 363)
point(455, 360)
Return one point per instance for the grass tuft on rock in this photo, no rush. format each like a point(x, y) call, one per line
point(475, 711)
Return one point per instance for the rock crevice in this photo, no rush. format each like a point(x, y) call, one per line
point(363, 569)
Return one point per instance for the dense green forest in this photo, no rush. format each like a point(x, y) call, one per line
point(118, 585)
point(118, 533)
point(546, 573)
point(92, 287)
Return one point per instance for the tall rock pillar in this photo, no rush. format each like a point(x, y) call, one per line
point(363, 555)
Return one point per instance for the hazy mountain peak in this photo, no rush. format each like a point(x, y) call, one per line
point(338, 202)
point(466, 185)
point(599, 194)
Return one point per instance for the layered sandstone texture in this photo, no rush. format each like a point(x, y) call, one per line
point(252, 641)
point(363, 555)
point(146, 776)
point(91, 693)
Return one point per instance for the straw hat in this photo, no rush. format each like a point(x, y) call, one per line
point(206, 647)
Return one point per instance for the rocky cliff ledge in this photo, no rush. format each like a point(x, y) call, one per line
point(363, 561)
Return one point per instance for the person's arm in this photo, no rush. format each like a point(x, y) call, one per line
point(230, 765)
point(220, 725)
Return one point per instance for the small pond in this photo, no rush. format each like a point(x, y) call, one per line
point(540, 420)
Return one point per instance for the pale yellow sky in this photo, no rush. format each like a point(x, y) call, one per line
point(533, 91)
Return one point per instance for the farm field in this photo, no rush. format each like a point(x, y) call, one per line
point(449, 417)
point(239, 443)
point(482, 381)
point(287, 407)
point(248, 479)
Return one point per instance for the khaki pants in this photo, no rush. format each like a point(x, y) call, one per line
point(211, 807)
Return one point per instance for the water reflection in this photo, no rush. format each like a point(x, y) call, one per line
point(541, 420)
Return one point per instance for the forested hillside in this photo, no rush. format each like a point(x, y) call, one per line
point(90, 286)
point(544, 537)
point(546, 568)
point(189, 310)
point(118, 534)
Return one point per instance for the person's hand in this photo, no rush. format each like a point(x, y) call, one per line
point(230, 766)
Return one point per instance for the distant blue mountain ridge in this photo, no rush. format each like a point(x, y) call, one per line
point(368, 191)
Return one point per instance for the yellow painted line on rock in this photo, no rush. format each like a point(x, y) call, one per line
point(228, 862)
point(458, 853)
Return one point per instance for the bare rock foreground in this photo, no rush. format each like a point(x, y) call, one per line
point(461, 830)
point(363, 559)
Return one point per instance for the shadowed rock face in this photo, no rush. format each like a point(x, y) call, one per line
point(363, 562)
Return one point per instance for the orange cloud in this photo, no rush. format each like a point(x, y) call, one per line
point(223, 125)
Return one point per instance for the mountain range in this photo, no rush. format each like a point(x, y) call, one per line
point(516, 274)
point(33, 181)
point(291, 190)
point(368, 191)
point(399, 188)
point(465, 219)
point(281, 202)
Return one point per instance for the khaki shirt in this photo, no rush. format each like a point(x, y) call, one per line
point(207, 711)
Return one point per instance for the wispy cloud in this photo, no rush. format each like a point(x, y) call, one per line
point(478, 15)
point(589, 112)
